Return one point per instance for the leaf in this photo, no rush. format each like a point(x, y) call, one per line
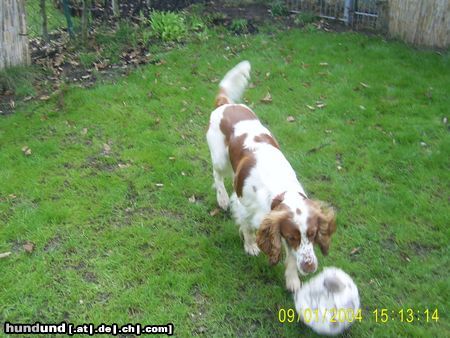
point(355, 251)
point(267, 98)
point(159, 185)
point(324, 64)
point(44, 98)
point(320, 104)
point(214, 212)
point(26, 151)
point(106, 149)
point(290, 118)
point(310, 107)
point(364, 85)
point(192, 199)
point(84, 131)
point(5, 254)
point(28, 247)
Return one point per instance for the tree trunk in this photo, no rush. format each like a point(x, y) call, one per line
point(44, 21)
point(85, 21)
point(13, 34)
point(68, 18)
point(115, 7)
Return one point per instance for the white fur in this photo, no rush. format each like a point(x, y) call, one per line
point(236, 80)
point(271, 176)
point(331, 290)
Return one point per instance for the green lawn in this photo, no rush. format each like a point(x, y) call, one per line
point(111, 245)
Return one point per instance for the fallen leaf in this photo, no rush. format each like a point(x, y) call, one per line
point(423, 144)
point(214, 212)
point(328, 131)
point(192, 199)
point(290, 118)
point(362, 107)
point(106, 149)
point(123, 165)
point(355, 251)
point(339, 167)
point(159, 185)
point(267, 98)
point(320, 104)
point(28, 247)
point(5, 254)
point(172, 158)
point(44, 98)
point(323, 64)
point(26, 151)
point(445, 120)
point(85, 77)
point(267, 75)
point(183, 173)
point(12, 196)
point(310, 107)
point(364, 85)
point(84, 131)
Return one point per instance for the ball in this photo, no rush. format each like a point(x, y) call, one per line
point(328, 302)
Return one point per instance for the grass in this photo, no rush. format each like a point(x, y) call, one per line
point(110, 245)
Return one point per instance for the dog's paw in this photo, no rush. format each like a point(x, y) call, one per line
point(223, 200)
point(293, 284)
point(251, 249)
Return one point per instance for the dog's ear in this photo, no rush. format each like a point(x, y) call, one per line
point(326, 226)
point(268, 237)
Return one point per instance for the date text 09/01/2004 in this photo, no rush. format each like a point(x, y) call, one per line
point(383, 315)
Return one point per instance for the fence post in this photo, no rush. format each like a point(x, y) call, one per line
point(348, 12)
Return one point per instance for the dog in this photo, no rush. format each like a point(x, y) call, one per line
point(268, 202)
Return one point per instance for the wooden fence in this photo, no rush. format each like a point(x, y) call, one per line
point(13, 40)
point(421, 22)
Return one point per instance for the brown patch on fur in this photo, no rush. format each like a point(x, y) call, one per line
point(242, 172)
point(277, 200)
point(236, 150)
point(221, 98)
point(322, 223)
point(232, 115)
point(242, 160)
point(290, 232)
point(266, 138)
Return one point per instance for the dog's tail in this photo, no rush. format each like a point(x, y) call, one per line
point(233, 84)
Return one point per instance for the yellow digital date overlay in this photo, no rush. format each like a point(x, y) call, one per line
point(342, 315)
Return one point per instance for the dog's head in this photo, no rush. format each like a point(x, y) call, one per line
point(299, 223)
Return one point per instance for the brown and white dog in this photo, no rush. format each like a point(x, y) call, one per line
point(268, 201)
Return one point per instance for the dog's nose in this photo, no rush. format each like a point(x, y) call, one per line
point(308, 266)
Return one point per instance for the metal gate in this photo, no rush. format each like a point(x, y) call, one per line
point(357, 13)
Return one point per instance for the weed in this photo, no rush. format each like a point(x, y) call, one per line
point(18, 80)
point(168, 26)
point(278, 8)
point(87, 58)
point(305, 18)
point(239, 26)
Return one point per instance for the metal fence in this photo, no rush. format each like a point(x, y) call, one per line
point(367, 14)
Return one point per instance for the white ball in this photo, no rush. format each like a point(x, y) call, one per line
point(329, 302)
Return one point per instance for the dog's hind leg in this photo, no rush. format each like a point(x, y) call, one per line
point(220, 162)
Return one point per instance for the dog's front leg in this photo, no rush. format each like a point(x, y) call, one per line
point(292, 280)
